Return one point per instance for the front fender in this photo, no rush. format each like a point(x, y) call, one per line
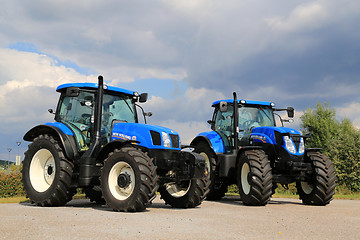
point(111, 146)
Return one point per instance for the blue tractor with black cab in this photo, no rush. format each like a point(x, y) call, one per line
point(97, 143)
point(245, 147)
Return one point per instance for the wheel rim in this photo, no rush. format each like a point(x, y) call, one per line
point(120, 170)
point(207, 164)
point(306, 187)
point(177, 191)
point(245, 170)
point(42, 170)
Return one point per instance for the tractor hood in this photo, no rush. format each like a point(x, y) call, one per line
point(268, 134)
point(288, 138)
point(149, 136)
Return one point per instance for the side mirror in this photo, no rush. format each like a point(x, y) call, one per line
point(51, 111)
point(72, 92)
point(223, 107)
point(290, 112)
point(210, 122)
point(143, 97)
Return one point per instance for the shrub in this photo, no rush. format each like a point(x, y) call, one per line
point(11, 185)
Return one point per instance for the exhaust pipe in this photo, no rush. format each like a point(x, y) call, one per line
point(236, 122)
point(88, 159)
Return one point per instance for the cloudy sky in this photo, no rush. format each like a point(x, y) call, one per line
point(185, 53)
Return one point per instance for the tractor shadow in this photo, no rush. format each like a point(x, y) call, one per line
point(87, 204)
point(236, 200)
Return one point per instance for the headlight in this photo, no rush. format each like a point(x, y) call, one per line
point(289, 144)
point(302, 146)
point(166, 139)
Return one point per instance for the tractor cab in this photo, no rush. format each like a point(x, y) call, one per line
point(76, 110)
point(251, 114)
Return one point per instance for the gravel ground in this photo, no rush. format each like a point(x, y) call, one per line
point(225, 219)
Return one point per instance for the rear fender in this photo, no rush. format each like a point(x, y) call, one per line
point(64, 136)
point(213, 139)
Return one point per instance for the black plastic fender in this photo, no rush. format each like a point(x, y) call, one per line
point(68, 142)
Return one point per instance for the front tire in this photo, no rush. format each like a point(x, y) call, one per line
point(128, 180)
point(321, 189)
point(255, 178)
point(188, 194)
point(47, 174)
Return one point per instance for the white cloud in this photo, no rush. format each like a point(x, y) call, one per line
point(350, 111)
point(303, 17)
point(27, 88)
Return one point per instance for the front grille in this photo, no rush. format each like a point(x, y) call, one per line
point(156, 139)
point(175, 140)
point(296, 139)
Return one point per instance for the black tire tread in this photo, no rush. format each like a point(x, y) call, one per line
point(325, 181)
point(261, 188)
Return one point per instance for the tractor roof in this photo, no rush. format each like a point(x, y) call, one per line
point(245, 102)
point(94, 85)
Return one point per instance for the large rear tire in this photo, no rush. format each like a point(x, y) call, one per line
point(47, 174)
point(255, 178)
point(128, 180)
point(321, 189)
point(217, 188)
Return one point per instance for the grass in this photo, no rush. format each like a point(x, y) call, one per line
point(17, 199)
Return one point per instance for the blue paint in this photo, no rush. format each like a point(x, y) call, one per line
point(215, 140)
point(61, 126)
point(141, 133)
point(247, 102)
point(94, 86)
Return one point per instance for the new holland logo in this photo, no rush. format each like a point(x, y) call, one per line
point(123, 136)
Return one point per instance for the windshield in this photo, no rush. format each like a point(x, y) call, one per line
point(250, 117)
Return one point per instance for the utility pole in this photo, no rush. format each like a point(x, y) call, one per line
point(18, 160)
point(9, 149)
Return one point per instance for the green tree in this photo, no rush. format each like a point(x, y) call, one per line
point(340, 140)
point(322, 125)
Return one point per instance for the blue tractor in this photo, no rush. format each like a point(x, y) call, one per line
point(248, 149)
point(97, 144)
